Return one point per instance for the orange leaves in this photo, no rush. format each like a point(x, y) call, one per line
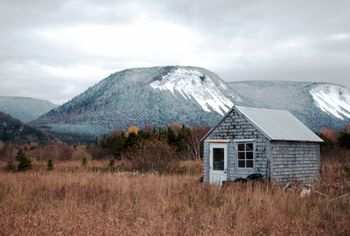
point(330, 134)
point(132, 130)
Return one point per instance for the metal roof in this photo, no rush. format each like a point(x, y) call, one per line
point(278, 124)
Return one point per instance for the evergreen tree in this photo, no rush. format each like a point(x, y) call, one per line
point(50, 164)
point(10, 166)
point(344, 140)
point(111, 164)
point(181, 144)
point(24, 162)
point(84, 161)
point(171, 136)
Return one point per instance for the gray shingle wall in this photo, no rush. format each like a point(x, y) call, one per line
point(233, 127)
point(295, 161)
point(288, 160)
point(231, 161)
point(206, 162)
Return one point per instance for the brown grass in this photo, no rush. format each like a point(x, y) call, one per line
point(77, 200)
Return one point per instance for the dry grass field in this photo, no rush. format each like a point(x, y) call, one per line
point(73, 199)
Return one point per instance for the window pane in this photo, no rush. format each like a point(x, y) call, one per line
point(241, 147)
point(245, 155)
point(249, 147)
point(241, 164)
point(249, 155)
point(241, 155)
point(218, 159)
point(249, 163)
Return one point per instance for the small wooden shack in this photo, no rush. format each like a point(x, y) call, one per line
point(272, 144)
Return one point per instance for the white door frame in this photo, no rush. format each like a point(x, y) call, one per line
point(217, 176)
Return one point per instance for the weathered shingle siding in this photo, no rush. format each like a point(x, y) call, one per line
point(236, 126)
point(206, 162)
point(295, 161)
point(231, 161)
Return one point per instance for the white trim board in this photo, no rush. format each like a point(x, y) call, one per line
point(243, 140)
point(218, 140)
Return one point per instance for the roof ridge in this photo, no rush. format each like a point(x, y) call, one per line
point(264, 108)
point(274, 124)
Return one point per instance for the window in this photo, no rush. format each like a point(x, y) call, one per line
point(245, 154)
point(218, 159)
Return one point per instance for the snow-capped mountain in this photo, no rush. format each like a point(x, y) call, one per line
point(141, 96)
point(23, 108)
point(332, 99)
point(318, 105)
point(192, 84)
point(192, 96)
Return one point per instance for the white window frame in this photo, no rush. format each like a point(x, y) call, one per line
point(245, 142)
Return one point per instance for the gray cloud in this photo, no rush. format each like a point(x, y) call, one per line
point(56, 49)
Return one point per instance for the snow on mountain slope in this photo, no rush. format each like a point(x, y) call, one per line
point(192, 84)
point(192, 96)
point(332, 99)
point(158, 96)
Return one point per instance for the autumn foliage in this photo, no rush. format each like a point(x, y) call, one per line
point(334, 138)
point(153, 156)
point(184, 141)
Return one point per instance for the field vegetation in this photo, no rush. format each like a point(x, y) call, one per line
point(94, 199)
point(153, 187)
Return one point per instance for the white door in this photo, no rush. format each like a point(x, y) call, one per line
point(218, 163)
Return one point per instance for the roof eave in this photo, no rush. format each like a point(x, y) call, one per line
point(302, 141)
point(214, 127)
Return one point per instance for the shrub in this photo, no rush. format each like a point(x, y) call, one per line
point(52, 152)
point(50, 164)
point(330, 135)
point(24, 162)
point(100, 153)
point(186, 141)
point(344, 140)
point(194, 167)
point(84, 161)
point(8, 152)
point(153, 155)
point(81, 154)
point(111, 164)
point(132, 129)
point(327, 142)
point(10, 166)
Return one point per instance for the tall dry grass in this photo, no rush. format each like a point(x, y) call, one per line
point(91, 200)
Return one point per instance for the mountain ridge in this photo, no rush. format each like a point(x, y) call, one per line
point(14, 131)
point(183, 94)
point(292, 96)
point(25, 108)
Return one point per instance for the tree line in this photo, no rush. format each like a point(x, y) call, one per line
point(334, 138)
point(184, 141)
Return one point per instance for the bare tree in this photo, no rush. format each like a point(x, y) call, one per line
point(194, 140)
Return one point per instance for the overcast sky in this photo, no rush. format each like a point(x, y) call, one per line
point(56, 49)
